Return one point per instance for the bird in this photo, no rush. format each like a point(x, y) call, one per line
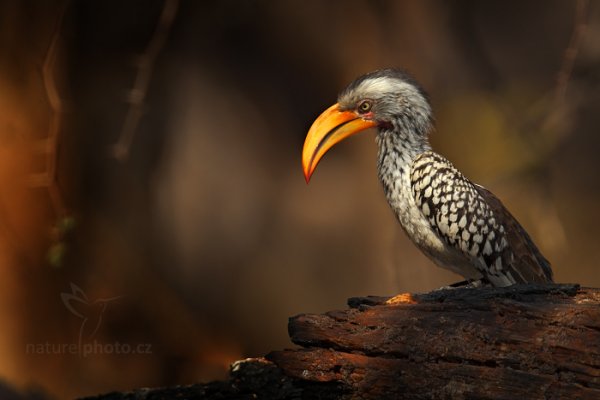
point(458, 224)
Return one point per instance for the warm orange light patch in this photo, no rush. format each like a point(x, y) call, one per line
point(403, 298)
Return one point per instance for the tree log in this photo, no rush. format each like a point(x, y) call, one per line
point(529, 342)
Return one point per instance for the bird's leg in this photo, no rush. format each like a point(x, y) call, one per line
point(479, 283)
point(459, 284)
point(467, 284)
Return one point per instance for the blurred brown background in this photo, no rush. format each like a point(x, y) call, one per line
point(203, 225)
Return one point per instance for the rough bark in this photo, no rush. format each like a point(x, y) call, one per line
point(532, 342)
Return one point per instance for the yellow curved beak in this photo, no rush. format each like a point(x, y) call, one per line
point(331, 127)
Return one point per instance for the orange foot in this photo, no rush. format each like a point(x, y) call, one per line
point(403, 298)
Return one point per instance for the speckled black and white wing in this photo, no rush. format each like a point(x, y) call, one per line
point(473, 221)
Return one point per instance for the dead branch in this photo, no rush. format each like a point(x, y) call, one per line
point(138, 93)
point(579, 29)
point(50, 144)
point(528, 342)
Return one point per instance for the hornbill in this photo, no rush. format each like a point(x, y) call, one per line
point(458, 224)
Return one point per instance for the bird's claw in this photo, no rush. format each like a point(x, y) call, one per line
point(467, 284)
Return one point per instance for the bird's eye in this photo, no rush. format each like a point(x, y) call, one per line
point(364, 106)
